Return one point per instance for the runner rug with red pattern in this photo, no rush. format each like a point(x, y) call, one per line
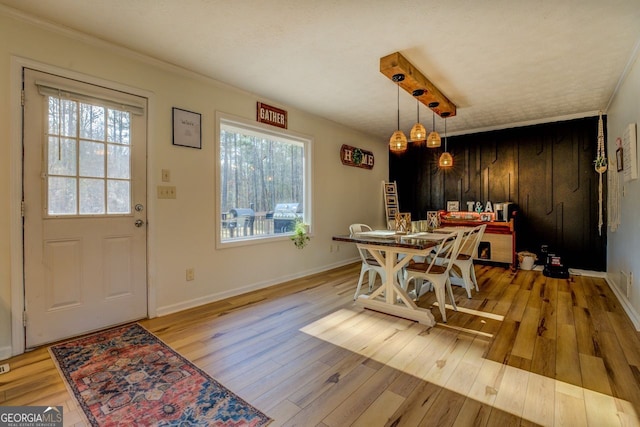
point(127, 376)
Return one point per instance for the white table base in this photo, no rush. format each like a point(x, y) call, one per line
point(395, 300)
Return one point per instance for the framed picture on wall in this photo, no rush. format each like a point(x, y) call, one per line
point(453, 206)
point(186, 128)
point(619, 160)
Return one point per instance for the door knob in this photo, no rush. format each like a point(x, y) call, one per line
point(139, 223)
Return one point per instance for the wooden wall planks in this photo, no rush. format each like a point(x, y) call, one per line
point(547, 170)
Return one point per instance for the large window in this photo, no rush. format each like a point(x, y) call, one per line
point(263, 181)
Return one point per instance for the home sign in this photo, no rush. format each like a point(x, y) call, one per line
point(352, 156)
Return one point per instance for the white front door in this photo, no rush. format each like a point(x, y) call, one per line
point(84, 191)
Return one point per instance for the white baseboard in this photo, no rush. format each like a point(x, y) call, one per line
point(626, 304)
point(588, 273)
point(5, 352)
point(196, 302)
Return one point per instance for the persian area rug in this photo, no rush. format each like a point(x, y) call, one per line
point(126, 376)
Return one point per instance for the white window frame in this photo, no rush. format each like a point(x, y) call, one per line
point(249, 126)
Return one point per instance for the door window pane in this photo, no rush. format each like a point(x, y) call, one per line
point(62, 117)
point(118, 157)
point(62, 196)
point(62, 156)
point(92, 159)
point(91, 196)
point(92, 122)
point(119, 126)
point(118, 197)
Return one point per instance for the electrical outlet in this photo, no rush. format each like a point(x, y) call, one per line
point(191, 274)
point(166, 175)
point(166, 192)
point(4, 368)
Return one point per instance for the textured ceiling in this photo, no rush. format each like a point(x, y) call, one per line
point(502, 62)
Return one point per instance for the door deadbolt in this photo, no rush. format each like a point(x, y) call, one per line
point(139, 208)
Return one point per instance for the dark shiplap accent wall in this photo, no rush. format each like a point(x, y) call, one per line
point(547, 170)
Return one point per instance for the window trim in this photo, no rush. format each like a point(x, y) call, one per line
point(261, 129)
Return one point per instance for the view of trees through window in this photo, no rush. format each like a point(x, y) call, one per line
point(88, 160)
point(261, 183)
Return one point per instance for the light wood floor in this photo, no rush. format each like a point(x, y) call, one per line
point(561, 352)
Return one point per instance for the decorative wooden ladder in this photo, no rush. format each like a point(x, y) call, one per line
point(390, 191)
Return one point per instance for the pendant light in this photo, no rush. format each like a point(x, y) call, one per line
point(398, 141)
point(446, 160)
point(418, 132)
point(433, 140)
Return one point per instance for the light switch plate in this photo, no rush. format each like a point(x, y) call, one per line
point(166, 192)
point(166, 175)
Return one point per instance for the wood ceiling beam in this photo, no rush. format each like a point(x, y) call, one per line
point(413, 80)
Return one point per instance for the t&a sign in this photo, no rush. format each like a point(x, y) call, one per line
point(352, 156)
point(271, 115)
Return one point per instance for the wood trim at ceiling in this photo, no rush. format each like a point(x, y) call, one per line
point(414, 79)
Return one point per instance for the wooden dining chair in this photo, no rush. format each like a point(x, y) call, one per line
point(369, 264)
point(436, 270)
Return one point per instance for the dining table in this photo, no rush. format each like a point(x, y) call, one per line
point(394, 251)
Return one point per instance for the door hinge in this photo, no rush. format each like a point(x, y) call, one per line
point(22, 97)
point(24, 318)
point(22, 208)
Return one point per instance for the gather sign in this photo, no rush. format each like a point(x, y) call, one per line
point(352, 156)
point(271, 115)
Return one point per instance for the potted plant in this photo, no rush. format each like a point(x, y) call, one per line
point(600, 164)
point(300, 235)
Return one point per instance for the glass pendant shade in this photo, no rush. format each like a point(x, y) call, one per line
point(418, 133)
point(398, 142)
point(445, 161)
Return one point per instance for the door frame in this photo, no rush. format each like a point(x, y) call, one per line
point(16, 244)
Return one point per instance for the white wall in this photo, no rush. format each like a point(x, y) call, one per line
point(181, 232)
point(623, 250)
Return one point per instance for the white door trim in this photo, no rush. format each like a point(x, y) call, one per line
point(15, 217)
